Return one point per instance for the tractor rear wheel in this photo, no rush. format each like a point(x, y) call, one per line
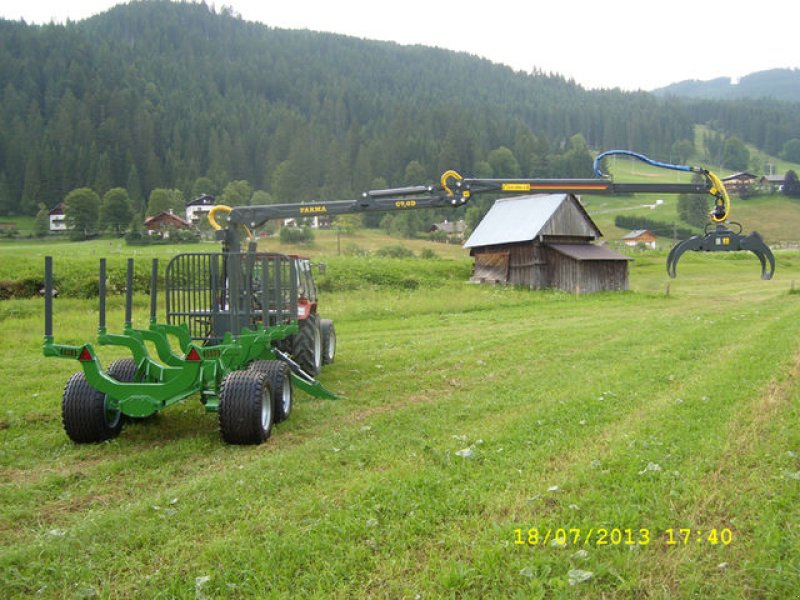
point(328, 341)
point(245, 407)
point(280, 379)
point(307, 346)
point(85, 414)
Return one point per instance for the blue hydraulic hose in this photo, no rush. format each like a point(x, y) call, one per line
point(642, 158)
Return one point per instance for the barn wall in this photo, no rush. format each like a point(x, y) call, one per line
point(537, 267)
point(587, 276)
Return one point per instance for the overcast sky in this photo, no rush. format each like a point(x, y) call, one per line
point(632, 44)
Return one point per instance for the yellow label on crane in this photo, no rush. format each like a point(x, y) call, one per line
point(311, 210)
point(516, 187)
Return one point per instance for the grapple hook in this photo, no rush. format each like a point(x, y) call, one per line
point(723, 239)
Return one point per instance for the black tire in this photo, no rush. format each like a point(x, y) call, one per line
point(84, 414)
point(280, 380)
point(307, 346)
point(328, 332)
point(123, 370)
point(245, 407)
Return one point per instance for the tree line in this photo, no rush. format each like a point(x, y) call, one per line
point(176, 96)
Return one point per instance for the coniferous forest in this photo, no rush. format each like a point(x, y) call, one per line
point(186, 97)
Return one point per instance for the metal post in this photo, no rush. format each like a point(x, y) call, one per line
point(48, 297)
point(154, 290)
point(264, 292)
point(101, 294)
point(129, 295)
point(234, 273)
point(249, 300)
point(293, 289)
point(278, 291)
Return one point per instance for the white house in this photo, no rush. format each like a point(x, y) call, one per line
point(57, 222)
point(199, 208)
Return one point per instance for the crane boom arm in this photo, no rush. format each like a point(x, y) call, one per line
point(454, 191)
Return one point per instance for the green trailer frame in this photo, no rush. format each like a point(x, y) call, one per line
point(226, 313)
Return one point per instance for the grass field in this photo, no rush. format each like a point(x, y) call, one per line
point(475, 420)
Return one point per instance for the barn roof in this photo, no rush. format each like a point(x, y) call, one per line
point(584, 252)
point(523, 218)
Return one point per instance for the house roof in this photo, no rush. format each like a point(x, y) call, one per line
point(742, 175)
point(58, 209)
point(166, 216)
point(523, 218)
point(584, 252)
point(774, 178)
point(202, 200)
point(635, 234)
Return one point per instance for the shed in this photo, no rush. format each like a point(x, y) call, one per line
point(544, 241)
point(640, 236)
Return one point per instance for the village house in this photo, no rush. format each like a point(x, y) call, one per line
point(163, 222)
point(56, 216)
point(739, 183)
point(198, 208)
point(453, 229)
point(640, 236)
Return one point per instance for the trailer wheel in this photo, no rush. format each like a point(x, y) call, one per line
point(123, 370)
point(307, 346)
point(328, 341)
point(85, 415)
point(245, 407)
point(280, 379)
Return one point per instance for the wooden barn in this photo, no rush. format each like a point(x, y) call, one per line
point(544, 241)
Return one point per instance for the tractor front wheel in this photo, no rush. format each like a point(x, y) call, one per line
point(280, 379)
point(328, 341)
point(245, 407)
point(85, 414)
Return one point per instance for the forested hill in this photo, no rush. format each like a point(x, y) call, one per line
point(777, 84)
point(158, 94)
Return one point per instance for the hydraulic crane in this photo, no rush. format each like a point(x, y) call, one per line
point(455, 191)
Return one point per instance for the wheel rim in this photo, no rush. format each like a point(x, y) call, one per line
point(266, 408)
point(317, 349)
point(286, 395)
point(332, 345)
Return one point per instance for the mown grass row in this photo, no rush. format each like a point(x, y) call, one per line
point(469, 412)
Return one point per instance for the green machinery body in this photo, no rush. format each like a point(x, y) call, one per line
point(225, 312)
